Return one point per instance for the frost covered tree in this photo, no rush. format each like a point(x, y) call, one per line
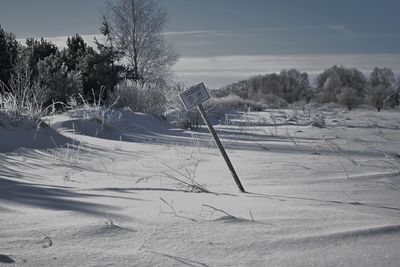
point(382, 77)
point(329, 80)
point(294, 85)
point(290, 86)
point(330, 89)
point(349, 77)
point(348, 98)
point(381, 87)
point(378, 95)
point(136, 27)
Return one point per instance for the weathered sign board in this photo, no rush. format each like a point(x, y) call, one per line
point(195, 96)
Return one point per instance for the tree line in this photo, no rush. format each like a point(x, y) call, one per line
point(346, 86)
point(132, 48)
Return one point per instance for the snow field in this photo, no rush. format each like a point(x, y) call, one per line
point(316, 196)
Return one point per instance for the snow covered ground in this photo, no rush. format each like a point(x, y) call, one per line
point(125, 191)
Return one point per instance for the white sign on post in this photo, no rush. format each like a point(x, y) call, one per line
point(194, 96)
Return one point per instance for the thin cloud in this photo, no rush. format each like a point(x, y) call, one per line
point(188, 33)
point(342, 29)
point(200, 33)
point(230, 32)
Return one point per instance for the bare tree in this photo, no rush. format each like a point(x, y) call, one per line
point(136, 26)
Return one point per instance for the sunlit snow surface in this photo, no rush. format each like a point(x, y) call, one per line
point(316, 196)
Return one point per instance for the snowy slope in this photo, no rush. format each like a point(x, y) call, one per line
point(316, 196)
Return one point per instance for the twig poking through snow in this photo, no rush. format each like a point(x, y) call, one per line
point(145, 240)
point(186, 180)
point(334, 145)
point(224, 212)
point(169, 205)
point(110, 222)
point(173, 210)
point(251, 215)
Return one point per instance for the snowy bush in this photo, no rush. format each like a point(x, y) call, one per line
point(22, 97)
point(184, 119)
point(125, 95)
point(274, 101)
point(148, 98)
point(232, 103)
point(319, 121)
point(97, 111)
point(331, 81)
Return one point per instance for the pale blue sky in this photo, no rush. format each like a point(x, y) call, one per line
point(232, 27)
point(222, 29)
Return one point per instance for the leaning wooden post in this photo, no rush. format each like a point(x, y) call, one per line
point(193, 97)
point(221, 147)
